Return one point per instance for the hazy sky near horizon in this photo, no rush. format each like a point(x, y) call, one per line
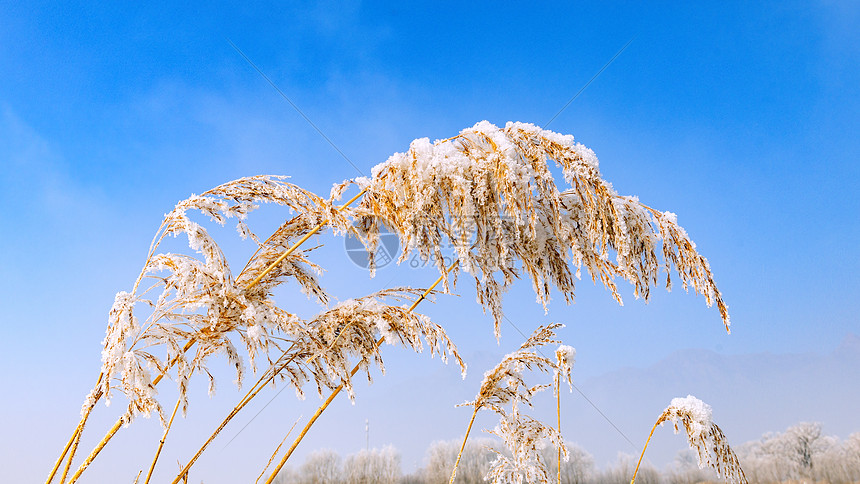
point(741, 118)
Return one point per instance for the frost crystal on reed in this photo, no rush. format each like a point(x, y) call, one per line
point(704, 437)
point(489, 192)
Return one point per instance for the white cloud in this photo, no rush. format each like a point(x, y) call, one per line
point(35, 178)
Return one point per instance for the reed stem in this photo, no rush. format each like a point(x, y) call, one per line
point(310, 423)
point(258, 386)
point(71, 457)
point(72, 444)
point(89, 460)
point(300, 242)
point(558, 412)
point(643, 449)
point(463, 445)
point(239, 406)
point(78, 430)
point(275, 453)
point(161, 442)
point(115, 428)
point(337, 390)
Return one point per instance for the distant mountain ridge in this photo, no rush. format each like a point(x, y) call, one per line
point(750, 395)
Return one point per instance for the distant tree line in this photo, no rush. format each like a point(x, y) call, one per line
point(800, 454)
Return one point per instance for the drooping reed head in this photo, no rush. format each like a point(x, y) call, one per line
point(505, 383)
point(351, 330)
point(704, 437)
point(490, 193)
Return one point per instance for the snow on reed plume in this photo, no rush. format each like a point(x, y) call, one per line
point(197, 298)
point(490, 193)
point(524, 437)
point(565, 357)
point(505, 385)
point(704, 437)
point(200, 301)
point(330, 343)
point(487, 191)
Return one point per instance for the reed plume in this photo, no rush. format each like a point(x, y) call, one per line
point(703, 435)
point(524, 437)
point(330, 343)
point(490, 193)
point(199, 299)
point(199, 302)
point(505, 384)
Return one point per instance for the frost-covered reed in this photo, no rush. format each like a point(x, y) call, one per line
point(524, 437)
point(703, 435)
point(488, 191)
point(505, 385)
point(565, 356)
point(491, 193)
point(198, 299)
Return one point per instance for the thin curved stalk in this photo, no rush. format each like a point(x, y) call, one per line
point(463, 445)
point(65, 451)
point(337, 390)
point(643, 450)
point(239, 406)
point(89, 460)
point(71, 457)
point(260, 384)
point(275, 453)
point(116, 426)
point(76, 434)
point(161, 442)
point(312, 420)
point(300, 242)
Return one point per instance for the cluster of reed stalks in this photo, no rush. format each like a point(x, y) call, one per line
point(489, 192)
point(523, 436)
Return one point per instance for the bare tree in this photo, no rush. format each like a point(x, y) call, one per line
point(765, 460)
point(622, 471)
point(802, 453)
point(474, 463)
point(372, 466)
point(319, 466)
point(775, 458)
point(577, 469)
point(803, 442)
point(685, 470)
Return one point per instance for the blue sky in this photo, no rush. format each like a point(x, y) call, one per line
point(740, 118)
